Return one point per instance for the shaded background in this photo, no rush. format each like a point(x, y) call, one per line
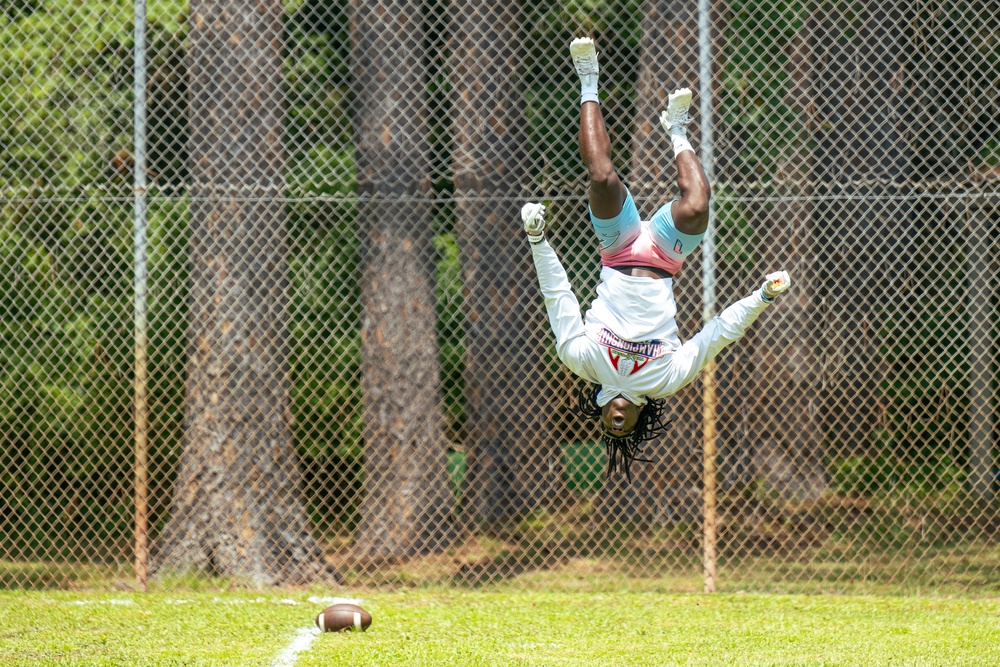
point(350, 374)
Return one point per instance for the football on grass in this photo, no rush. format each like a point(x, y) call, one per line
point(340, 617)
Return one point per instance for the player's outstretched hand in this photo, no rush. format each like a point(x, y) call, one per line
point(533, 217)
point(775, 284)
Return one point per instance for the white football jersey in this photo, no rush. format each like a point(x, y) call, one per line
point(629, 343)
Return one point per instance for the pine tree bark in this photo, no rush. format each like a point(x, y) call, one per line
point(237, 505)
point(864, 167)
point(956, 113)
point(514, 464)
point(408, 507)
point(784, 427)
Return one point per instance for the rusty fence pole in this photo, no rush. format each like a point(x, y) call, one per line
point(140, 405)
point(709, 534)
point(708, 293)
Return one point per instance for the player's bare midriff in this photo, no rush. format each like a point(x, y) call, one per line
point(643, 272)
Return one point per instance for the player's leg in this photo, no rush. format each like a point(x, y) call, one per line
point(678, 227)
point(613, 213)
point(607, 193)
point(690, 211)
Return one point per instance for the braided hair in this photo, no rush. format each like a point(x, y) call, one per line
point(623, 450)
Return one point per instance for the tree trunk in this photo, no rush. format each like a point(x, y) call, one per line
point(514, 463)
point(408, 507)
point(237, 507)
point(981, 339)
point(783, 414)
point(668, 488)
point(981, 123)
point(954, 87)
point(864, 162)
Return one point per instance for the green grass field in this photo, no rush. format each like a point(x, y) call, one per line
point(495, 627)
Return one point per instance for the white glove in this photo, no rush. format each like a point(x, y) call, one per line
point(774, 284)
point(676, 115)
point(533, 217)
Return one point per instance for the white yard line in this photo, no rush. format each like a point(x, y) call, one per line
point(290, 654)
point(305, 636)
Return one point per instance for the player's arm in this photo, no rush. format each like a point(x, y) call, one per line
point(730, 325)
point(561, 305)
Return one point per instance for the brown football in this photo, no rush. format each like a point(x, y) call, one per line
point(343, 616)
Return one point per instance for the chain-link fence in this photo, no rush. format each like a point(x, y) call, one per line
point(268, 312)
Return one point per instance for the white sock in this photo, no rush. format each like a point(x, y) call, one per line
point(680, 141)
point(588, 88)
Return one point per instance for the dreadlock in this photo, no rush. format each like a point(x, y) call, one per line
point(622, 451)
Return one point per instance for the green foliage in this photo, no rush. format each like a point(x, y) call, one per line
point(326, 330)
point(67, 94)
point(735, 236)
point(66, 263)
point(551, 98)
point(922, 444)
point(886, 473)
point(583, 466)
point(65, 239)
point(67, 327)
point(325, 306)
point(457, 469)
point(990, 154)
point(316, 75)
point(450, 328)
point(15, 9)
point(755, 85)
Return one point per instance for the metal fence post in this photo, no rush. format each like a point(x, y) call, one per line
point(708, 292)
point(140, 292)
